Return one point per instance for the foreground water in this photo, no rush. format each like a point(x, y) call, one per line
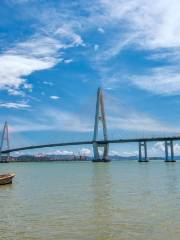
point(102, 201)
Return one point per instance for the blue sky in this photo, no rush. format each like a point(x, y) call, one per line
point(55, 54)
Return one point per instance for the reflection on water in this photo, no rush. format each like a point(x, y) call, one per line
point(118, 200)
point(101, 188)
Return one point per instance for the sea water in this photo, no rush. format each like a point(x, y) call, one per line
point(85, 200)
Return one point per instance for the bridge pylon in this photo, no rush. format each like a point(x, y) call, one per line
point(143, 148)
point(5, 141)
point(100, 116)
point(167, 145)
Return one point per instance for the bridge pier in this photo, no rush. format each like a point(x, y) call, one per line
point(97, 157)
point(143, 148)
point(169, 144)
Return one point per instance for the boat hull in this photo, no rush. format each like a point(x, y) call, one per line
point(6, 179)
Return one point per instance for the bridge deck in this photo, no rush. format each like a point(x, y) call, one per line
point(130, 140)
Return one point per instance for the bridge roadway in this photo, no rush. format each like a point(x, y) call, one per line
point(130, 140)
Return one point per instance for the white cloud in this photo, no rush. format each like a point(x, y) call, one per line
point(130, 154)
point(25, 58)
point(114, 153)
point(82, 152)
point(15, 105)
point(177, 149)
point(153, 25)
point(127, 119)
point(114, 46)
point(85, 152)
point(67, 61)
point(158, 149)
point(60, 121)
point(59, 152)
point(164, 81)
point(156, 22)
point(140, 24)
point(144, 24)
point(139, 122)
point(35, 54)
point(68, 34)
point(54, 97)
point(14, 67)
point(155, 150)
point(48, 83)
point(101, 30)
point(39, 46)
point(96, 47)
point(128, 122)
point(15, 92)
point(67, 121)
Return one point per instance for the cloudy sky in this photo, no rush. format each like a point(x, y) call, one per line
point(55, 54)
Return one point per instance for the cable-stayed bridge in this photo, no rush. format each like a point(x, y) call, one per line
point(99, 117)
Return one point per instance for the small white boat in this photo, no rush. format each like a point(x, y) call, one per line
point(6, 178)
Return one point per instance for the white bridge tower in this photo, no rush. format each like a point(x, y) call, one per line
point(100, 117)
point(5, 142)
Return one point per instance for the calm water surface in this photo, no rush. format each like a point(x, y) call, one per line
point(102, 201)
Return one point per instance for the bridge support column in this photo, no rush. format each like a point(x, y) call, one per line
point(143, 146)
point(97, 155)
point(169, 144)
point(100, 116)
point(5, 139)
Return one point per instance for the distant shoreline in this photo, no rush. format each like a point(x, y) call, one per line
point(38, 161)
point(70, 158)
point(24, 161)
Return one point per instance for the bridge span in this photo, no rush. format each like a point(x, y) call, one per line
point(99, 116)
point(140, 141)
